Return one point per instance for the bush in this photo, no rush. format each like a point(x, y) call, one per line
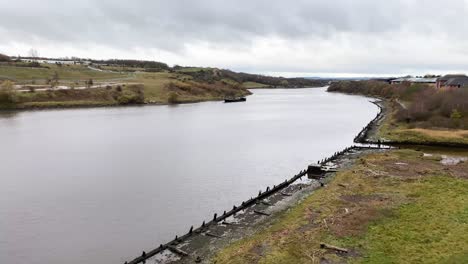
point(132, 95)
point(456, 114)
point(173, 98)
point(427, 106)
point(4, 57)
point(7, 93)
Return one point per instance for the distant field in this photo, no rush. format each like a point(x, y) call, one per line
point(250, 85)
point(158, 83)
point(154, 85)
point(68, 73)
point(157, 87)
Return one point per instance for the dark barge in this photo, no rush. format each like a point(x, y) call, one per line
point(235, 100)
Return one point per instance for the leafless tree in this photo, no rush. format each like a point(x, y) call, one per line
point(33, 53)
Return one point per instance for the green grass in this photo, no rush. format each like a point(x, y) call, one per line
point(70, 73)
point(251, 85)
point(417, 214)
point(155, 85)
point(400, 132)
point(431, 230)
point(193, 69)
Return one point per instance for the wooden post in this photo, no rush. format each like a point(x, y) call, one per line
point(326, 246)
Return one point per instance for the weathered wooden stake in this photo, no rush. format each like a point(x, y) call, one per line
point(261, 213)
point(326, 246)
point(212, 235)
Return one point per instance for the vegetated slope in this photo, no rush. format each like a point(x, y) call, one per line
point(4, 58)
point(160, 83)
point(210, 74)
point(418, 112)
point(399, 206)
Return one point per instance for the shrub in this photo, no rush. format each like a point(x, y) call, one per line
point(173, 98)
point(455, 114)
point(89, 83)
point(7, 93)
point(426, 104)
point(129, 97)
point(4, 57)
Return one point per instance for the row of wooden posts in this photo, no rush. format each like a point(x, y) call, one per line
point(217, 219)
point(360, 138)
point(235, 209)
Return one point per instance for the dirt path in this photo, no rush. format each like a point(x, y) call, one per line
point(26, 88)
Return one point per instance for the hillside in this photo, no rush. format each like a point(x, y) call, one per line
point(416, 113)
point(89, 83)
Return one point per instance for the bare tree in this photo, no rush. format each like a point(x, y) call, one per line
point(33, 53)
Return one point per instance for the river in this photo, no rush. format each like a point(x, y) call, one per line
point(101, 185)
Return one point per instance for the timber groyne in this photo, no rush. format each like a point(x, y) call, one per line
point(324, 168)
point(317, 171)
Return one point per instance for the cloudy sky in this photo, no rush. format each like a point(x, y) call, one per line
point(291, 38)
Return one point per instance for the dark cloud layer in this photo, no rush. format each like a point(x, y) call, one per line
point(175, 26)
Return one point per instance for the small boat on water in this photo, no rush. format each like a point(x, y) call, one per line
point(235, 100)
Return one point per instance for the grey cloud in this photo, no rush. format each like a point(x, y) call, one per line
point(172, 25)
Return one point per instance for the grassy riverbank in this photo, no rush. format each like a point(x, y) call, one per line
point(44, 85)
point(416, 113)
point(399, 206)
point(394, 130)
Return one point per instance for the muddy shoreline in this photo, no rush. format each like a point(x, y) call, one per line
point(200, 244)
point(203, 246)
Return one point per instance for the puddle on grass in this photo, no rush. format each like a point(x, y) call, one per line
point(452, 160)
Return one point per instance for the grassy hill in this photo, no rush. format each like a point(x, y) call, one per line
point(101, 82)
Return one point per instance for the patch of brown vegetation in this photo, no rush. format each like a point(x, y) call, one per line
point(258, 250)
point(460, 170)
point(216, 89)
point(358, 211)
point(408, 169)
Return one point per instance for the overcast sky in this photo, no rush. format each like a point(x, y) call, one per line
point(291, 38)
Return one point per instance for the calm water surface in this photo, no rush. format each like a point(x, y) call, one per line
point(100, 185)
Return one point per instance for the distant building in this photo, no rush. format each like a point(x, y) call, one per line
point(56, 61)
point(414, 80)
point(452, 81)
